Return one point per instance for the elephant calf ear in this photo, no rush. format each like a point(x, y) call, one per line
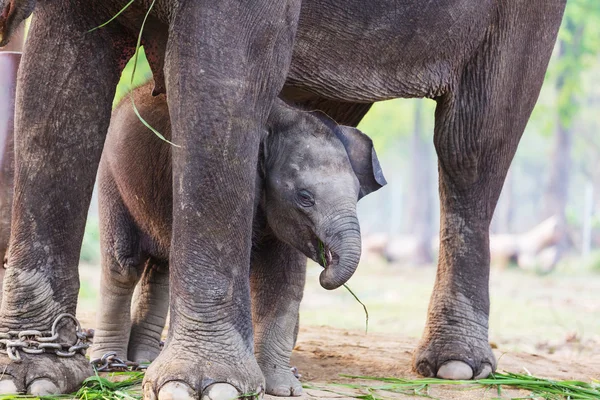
point(362, 158)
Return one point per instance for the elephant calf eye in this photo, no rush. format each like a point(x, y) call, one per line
point(305, 198)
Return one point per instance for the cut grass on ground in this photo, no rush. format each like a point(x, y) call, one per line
point(127, 386)
point(540, 388)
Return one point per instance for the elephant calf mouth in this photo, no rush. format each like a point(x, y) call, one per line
point(323, 255)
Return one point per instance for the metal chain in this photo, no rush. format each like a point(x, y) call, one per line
point(38, 342)
point(109, 362)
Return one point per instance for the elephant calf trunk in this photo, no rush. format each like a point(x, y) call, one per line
point(343, 256)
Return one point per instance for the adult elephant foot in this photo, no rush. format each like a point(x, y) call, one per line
point(461, 358)
point(455, 343)
point(43, 374)
point(181, 372)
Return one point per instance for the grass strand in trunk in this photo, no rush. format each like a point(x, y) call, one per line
point(324, 261)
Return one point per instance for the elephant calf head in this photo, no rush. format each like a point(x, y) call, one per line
point(315, 171)
point(12, 13)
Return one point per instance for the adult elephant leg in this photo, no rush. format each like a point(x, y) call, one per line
point(226, 62)
point(66, 85)
point(278, 273)
point(478, 127)
point(149, 313)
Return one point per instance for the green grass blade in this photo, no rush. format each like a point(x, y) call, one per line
point(324, 260)
point(135, 60)
point(363, 305)
point(139, 40)
point(539, 387)
point(113, 18)
point(147, 125)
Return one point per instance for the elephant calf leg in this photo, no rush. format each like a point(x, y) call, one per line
point(121, 269)
point(277, 283)
point(149, 313)
point(113, 323)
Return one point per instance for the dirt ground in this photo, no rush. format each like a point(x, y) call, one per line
point(323, 353)
point(548, 326)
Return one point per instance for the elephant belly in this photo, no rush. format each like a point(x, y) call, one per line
point(372, 50)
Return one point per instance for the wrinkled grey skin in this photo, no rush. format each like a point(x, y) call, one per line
point(483, 62)
point(306, 191)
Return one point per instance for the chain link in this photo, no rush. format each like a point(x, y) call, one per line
point(109, 362)
point(38, 342)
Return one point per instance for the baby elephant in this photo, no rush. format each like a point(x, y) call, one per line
point(310, 175)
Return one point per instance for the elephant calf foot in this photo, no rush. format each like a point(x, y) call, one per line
point(281, 380)
point(182, 372)
point(142, 352)
point(454, 357)
point(43, 374)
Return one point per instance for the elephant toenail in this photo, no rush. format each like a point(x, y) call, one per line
point(220, 391)
point(296, 391)
point(8, 387)
point(424, 368)
point(455, 370)
point(43, 387)
point(485, 372)
point(260, 391)
point(175, 390)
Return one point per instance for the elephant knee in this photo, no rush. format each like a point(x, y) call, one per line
point(125, 271)
point(458, 164)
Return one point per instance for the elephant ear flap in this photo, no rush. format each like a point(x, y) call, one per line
point(362, 158)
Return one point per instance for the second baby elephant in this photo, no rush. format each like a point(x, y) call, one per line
point(310, 175)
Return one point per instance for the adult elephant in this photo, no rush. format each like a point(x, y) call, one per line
point(483, 62)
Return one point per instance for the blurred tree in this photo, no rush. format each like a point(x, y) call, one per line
point(420, 194)
point(577, 46)
point(505, 209)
